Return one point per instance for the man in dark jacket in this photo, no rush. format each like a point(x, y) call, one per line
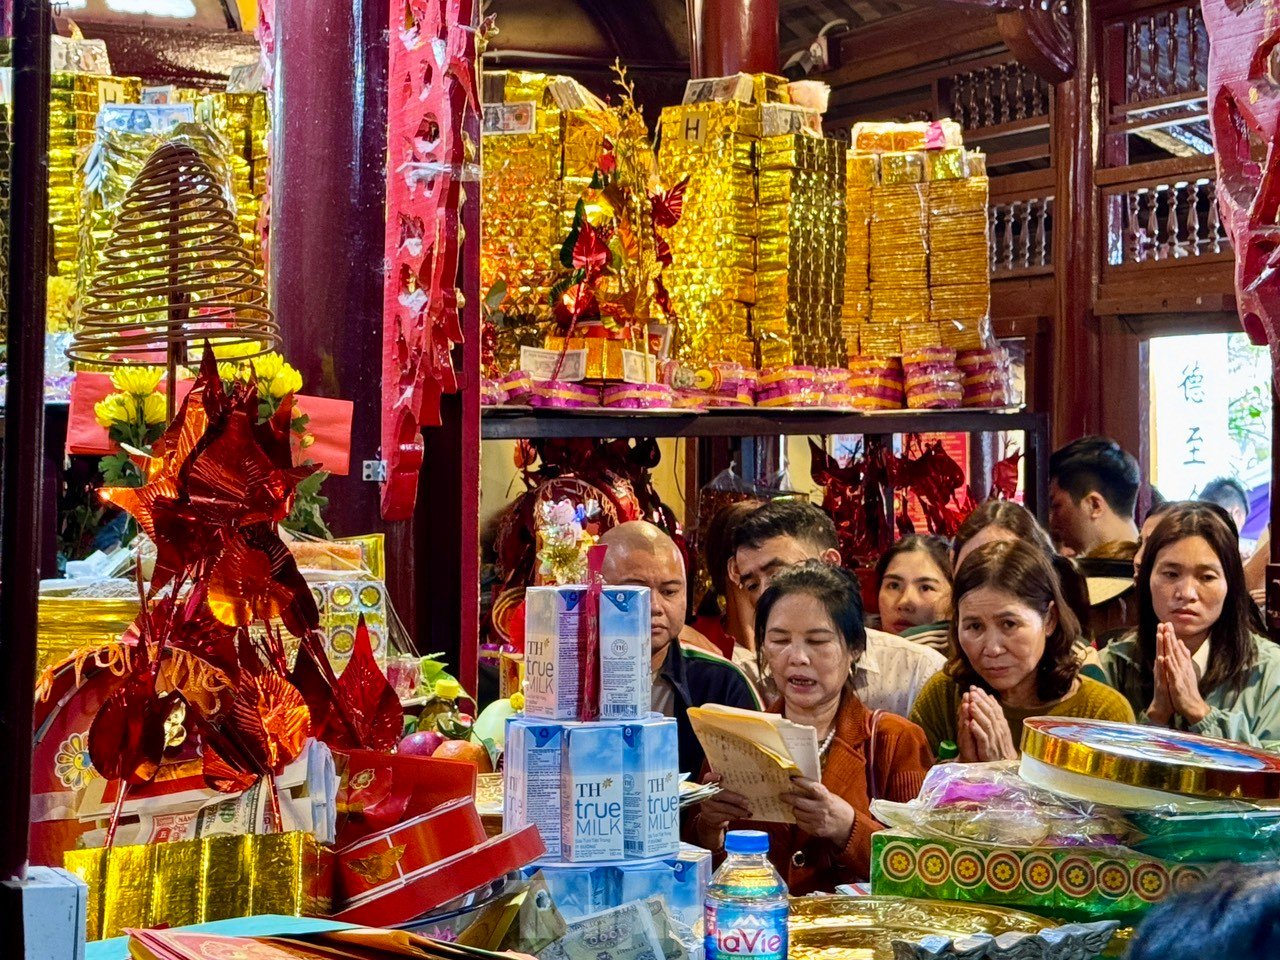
point(686, 673)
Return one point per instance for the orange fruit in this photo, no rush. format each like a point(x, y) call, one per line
point(465, 750)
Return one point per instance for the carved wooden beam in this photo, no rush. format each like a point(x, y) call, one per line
point(1039, 32)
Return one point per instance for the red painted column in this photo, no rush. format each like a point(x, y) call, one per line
point(1077, 144)
point(328, 152)
point(732, 36)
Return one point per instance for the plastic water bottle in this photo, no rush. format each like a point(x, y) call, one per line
point(746, 906)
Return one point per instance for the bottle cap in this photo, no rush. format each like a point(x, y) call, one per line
point(746, 841)
point(947, 750)
point(447, 689)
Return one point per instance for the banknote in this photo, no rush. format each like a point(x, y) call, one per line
point(622, 933)
point(719, 89)
point(144, 118)
point(517, 117)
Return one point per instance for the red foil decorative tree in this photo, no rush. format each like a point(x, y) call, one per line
point(432, 93)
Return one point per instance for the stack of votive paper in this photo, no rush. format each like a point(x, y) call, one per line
point(602, 791)
point(932, 378)
point(985, 377)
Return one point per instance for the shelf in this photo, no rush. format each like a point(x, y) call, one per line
point(499, 423)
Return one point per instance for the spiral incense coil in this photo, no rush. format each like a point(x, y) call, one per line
point(175, 272)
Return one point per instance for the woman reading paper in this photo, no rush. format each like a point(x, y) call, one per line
point(810, 633)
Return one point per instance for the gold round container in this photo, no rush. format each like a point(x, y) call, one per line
point(1153, 758)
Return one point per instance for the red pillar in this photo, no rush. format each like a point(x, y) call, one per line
point(328, 152)
point(732, 36)
point(1077, 144)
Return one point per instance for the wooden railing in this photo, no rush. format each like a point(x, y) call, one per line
point(1166, 54)
point(995, 95)
point(1021, 224)
point(1162, 211)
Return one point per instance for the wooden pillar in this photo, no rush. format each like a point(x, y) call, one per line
point(20, 528)
point(1077, 136)
point(732, 36)
point(328, 153)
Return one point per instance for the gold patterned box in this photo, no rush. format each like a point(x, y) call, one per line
point(196, 881)
point(341, 604)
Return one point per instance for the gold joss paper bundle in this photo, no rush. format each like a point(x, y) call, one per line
point(959, 277)
point(196, 881)
point(800, 257)
point(713, 278)
point(74, 100)
point(543, 135)
point(241, 120)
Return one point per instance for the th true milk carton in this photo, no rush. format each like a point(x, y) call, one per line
point(651, 785)
point(553, 649)
point(591, 785)
point(531, 779)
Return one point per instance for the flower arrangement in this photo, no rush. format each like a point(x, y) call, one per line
point(564, 536)
point(135, 417)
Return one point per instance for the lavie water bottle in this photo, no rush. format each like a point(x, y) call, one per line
point(746, 906)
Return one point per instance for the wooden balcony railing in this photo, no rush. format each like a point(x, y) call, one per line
point(1162, 211)
point(997, 94)
point(1021, 224)
point(1159, 73)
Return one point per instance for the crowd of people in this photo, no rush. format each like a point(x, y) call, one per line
point(1098, 617)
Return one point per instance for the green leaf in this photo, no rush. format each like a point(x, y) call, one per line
point(571, 241)
point(497, 293)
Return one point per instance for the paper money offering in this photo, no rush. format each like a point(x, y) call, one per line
point(622, 933)
point(144, 117)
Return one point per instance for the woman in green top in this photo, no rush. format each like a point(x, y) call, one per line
point(1195, 663)
point(914, 583)
point(1014, 658)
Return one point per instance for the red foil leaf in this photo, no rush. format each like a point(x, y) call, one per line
point(264, 732)
point(668, 207)
point(256, 578)
point(360, 710)
point(127, 737)
point(591, 252)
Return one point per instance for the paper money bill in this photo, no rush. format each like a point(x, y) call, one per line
point(144, 118)
point(667, 929)
point(79, 56)
point(719, 89)
point(623, 933)
point(781, 119)
point(517, 117)
point(541, 364)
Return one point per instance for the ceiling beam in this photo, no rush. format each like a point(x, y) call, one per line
point(632, 29)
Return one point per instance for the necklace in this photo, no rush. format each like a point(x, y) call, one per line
point(825, 745)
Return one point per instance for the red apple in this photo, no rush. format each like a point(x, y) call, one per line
point(421, 744)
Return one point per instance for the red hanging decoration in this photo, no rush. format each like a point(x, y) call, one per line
point(432, 97)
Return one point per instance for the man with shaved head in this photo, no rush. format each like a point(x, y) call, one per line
point(684, 673)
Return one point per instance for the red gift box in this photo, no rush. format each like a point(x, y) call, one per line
point(409, 847)
point(329, 424)
point(381, 790)
point(405, 897)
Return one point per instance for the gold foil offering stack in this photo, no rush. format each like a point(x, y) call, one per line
point(543, 136)
point(927, 260)
point(860, 177)
point(74, 100)
point(800, 258)
point(712, 280)
point(959, 271)
point(241, 120)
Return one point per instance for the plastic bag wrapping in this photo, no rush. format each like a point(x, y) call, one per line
point(989, 803)
point(1234, 831)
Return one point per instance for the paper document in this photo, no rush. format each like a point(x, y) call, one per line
point(756, 755)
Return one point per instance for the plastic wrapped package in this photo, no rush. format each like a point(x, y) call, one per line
point(989, 803)
point(876, 383)
point(985, 377)
point(563, 394)
point(932, 379)
point(518, 387)
point(1238, 832)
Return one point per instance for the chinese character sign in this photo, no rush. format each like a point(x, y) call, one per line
point(1190, 391)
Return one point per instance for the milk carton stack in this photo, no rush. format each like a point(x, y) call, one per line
point(606, 790)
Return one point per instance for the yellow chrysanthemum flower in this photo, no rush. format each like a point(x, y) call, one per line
point(137, 381)
point(236, 351)
point(115, 408)
point(155, 409)
point(285, 382)
point(267, 366)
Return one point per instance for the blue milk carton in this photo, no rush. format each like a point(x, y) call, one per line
point(591, 827)
point(531, 778)
point(651, 783)
point(625, 652)
point(553, 648)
